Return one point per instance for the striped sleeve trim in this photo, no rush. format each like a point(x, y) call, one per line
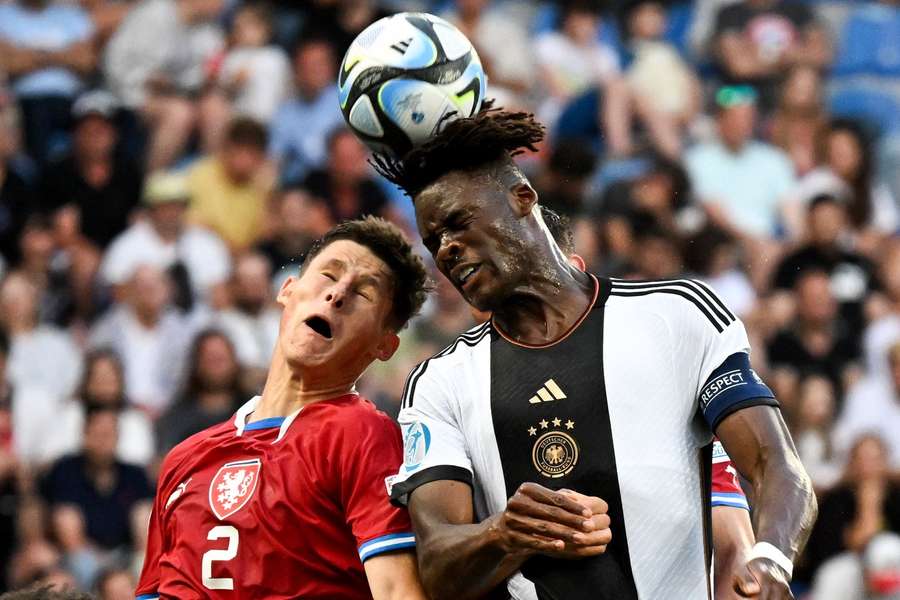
point(153, 596)
point(386, 543)
point(730, 499)
point(470, 338)
point(692, 290)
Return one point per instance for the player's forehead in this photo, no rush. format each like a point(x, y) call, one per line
point(347, 256)
point(451, 194)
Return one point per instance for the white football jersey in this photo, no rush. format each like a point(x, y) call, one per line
point(621, 407)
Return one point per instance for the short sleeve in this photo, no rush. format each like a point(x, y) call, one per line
point(434, 447)
point(377, 525)
point(725, 381)
point(726, 489)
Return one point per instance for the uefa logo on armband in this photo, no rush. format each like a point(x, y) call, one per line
point(416, 442)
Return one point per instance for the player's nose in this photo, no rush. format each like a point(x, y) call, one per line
point(449, 253)
point(336, 294)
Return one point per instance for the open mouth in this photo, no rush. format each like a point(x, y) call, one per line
point(466, 273)
point(320, 326)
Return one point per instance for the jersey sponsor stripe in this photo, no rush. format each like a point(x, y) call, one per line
point(702, 293)
point(675, 292)
point(386, 543)
point(470, 338)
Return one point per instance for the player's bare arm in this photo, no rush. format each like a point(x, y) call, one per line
point(761, 448)
point(732, 540)
point(461, 559)
point(394, 576)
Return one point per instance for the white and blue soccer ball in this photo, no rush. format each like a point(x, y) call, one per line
point(403, 75)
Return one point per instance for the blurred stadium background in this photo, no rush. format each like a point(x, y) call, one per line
point(163, 163)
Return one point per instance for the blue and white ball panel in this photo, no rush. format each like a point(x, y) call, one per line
point(386, 543)
point(417, 107)
point(399, 43)
point(730, 386)
point(363, 118)
point(454, 43)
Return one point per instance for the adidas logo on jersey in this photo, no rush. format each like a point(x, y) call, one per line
point(547, 393)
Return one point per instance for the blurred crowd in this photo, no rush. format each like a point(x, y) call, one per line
point(165, 163)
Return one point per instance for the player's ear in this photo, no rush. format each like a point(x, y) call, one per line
point(522, 198)
point(389, 343)
point(285, 292)
point(576, 261)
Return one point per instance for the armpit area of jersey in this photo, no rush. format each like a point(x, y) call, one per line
point(733, 386)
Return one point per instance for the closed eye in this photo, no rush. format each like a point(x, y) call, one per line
point(328, 275)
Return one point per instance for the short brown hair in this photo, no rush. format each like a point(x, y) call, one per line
point(410, 279)
point(244, 131)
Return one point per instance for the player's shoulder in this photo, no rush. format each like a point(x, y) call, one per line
point(443, 368)
point(351, 415)
point(675, 300)
point(184, 450)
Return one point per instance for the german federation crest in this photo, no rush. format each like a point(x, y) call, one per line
point(233, 486)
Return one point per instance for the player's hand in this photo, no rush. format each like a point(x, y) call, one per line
point(763, 579)
point(538, 520)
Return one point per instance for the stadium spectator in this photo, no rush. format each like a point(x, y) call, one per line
point(16, 196)
point(10, 485)
point(743, 182)
point(816, 341)
point(799, 117)
point(149, 336)
point(251, 321)
point(812, 428)
point(116, 584)
point(40, 354)
point(664, 89)
point(656, 253)
point(229, 190)
point(853, 277)
point(756, 41)
point(255, 74)
point(102, 385)
point(884, 310)
point(873, 574)
point(91, 495)
point(166, 240)
point(499, 36)
point(251, 77)
point(300, 219)
point(301, 125)
point(873, 405)
point(341, 22)
point(563, 184)
point(47, 48)
point(100, 183)
point(865, 503)
point(346, 183)
point(847, 168)
point(155, 63)
point(212, 391)
point(714, 256)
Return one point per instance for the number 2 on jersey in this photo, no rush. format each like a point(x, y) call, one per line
point(210, 556)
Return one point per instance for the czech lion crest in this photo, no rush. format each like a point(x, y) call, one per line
point(233, 486)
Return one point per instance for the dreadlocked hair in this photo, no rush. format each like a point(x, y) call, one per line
point(462, 145)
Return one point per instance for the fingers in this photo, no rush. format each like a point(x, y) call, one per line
point(759, 579)
point(745, 584)
point(527, 505)
point(547, 496)
point(597, 505)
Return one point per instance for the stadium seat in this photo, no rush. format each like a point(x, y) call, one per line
point(868, 43)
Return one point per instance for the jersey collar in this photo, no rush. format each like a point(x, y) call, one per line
point(240, 418)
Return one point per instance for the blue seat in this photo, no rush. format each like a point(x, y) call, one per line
point(870, 42)
point(879, 109)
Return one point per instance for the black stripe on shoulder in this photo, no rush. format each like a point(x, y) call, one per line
point(675, 292)
point(470, 338)
point(400, 491)
point(699, 294)
point(715, 298)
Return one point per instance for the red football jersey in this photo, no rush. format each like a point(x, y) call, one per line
point(278, 508)
point(726, 489)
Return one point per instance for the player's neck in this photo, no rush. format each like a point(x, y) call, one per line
point(284, 392)
point(546, 308)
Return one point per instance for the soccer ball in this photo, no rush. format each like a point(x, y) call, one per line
point(403, 75)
